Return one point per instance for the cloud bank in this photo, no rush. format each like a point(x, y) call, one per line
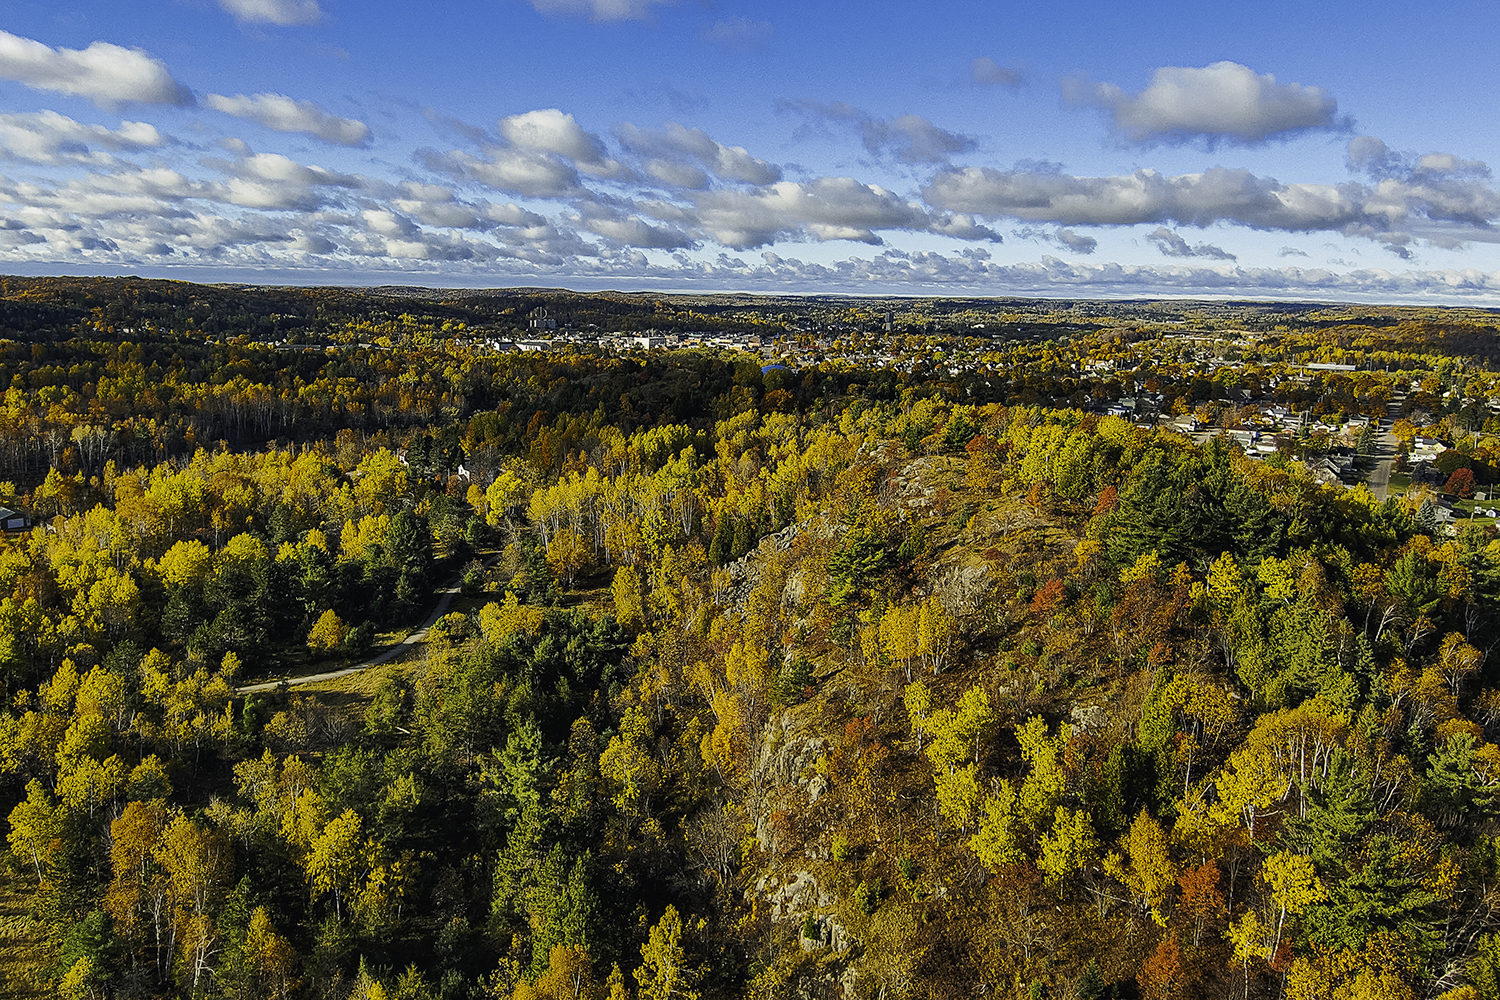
point(1437, 197)
point(540, 196)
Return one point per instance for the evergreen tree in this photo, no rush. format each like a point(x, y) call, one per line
point(1152, 515)
point(1210, 482)
point(1338, 813)
point(1457, 793)
point(1426, 517)
point(1385, 891)
point(745, 537)
point(1090, 985)
point(723, 541)
point(856, 563)
point(317, 579)
point(1258, 529)
point(91, 941)
point(410, 547)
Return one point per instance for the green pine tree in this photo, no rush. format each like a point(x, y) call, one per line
point(1090, 985)
point(723, 540)
point(1338, 814)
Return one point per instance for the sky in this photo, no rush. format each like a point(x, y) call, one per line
point(1337, 151)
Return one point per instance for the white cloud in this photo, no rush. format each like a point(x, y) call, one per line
point(1368, 155)
point(280, 169)
point(274, 182)
point(1077, 242)
point(106, 74)
point(438, 247)
point(675, 141)
point(253, 210)
point(632, 230)
point(551, 131)
point(600, 10)
point(507, 169)
point(437, 206)
point(1065, 238)
point(917, 140)
point(1436, 187)
point(678, 175)
point(1222, 102)
point(281, 12)
point(388, 223)
point(739, 34)
point(280, 113)
point(170, 224)
point(986, 72)
point(48, 137)
point(972, 270)
point(312, 243)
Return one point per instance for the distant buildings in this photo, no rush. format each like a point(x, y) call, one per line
point(540, 322)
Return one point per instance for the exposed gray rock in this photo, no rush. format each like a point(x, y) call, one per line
point(1087, 716)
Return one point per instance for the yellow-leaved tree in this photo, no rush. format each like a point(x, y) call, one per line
point(1294, 886)
point(998, 842)
point(1144, 865)
point(34, 825)
point(333, 858)
point(569, 976)
point(327, 634)
point(664, 973)
point(629, 766)
point(1070, 846)
point(197, 864)
point(626, 590)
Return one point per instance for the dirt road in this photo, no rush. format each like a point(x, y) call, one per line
point(418, 636)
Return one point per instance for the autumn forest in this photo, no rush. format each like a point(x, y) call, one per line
point(406, 644)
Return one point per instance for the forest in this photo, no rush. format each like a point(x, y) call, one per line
point(919, 656)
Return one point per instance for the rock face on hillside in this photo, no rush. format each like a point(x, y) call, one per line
point(744, 572)
point(789, 890)
point(785, 758)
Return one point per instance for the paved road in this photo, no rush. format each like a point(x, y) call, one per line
point(419, 636)
point(1385, 452)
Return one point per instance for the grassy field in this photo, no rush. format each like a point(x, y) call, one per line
point(363, 685)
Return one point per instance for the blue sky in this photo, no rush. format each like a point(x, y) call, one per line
point(1332, 151)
